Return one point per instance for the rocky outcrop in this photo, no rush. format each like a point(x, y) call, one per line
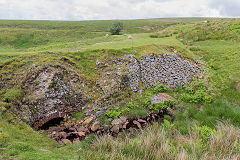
point(54, 92)
point(52, 95)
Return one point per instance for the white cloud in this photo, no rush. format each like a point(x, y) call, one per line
point(114, 9)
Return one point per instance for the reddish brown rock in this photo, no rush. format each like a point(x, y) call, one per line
point(81, 134)
point(81, 128)
point(95, 127)
point(125, 125)
point(141, 121)
point(137, 123)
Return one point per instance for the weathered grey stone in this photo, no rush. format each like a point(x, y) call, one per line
point(99, 113)
point(160, 98)
point(119, 121)
point(170, 70)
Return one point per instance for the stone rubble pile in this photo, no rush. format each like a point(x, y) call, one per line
point(134, 73)
point(76, 132)
point(167, 69)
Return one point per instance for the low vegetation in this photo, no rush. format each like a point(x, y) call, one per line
point(206, 112)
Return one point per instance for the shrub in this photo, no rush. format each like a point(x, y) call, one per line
point(13, 96)
point(115, 113)
point(130, 105)
point(160, 88)
point(116, 28)
point(205, 132)
point(197, 92)
point(146, 101)
point(133, 110)
point(159, 106)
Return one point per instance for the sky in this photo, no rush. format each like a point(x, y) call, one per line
point(116, 9)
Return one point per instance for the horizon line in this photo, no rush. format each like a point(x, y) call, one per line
point(116, 19)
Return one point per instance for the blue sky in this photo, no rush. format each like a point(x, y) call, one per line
point(116, 9)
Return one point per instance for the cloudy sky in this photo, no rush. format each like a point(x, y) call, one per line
point(116, 9)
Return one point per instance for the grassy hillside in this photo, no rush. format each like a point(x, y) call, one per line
point(207, 114)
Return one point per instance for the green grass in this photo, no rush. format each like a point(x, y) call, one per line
point(216, 30)
point(222, 58)
point(24, 43)
point(112, 42)
point(24, 143)
point(13, 95)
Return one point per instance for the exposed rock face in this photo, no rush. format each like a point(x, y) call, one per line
point(112, 77)
point(52, 95)
point(167, 69)
point(53, 91)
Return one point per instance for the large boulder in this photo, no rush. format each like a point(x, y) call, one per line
point(160, 98)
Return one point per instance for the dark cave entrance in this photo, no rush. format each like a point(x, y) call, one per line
point(53, 122)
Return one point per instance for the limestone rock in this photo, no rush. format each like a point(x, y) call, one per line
point(160, 98)
point(99, 113)
point(168, 69)
point(115, 128)
point(88, 121)
point(119, 121)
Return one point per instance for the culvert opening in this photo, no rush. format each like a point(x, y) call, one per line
point(51, 123)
